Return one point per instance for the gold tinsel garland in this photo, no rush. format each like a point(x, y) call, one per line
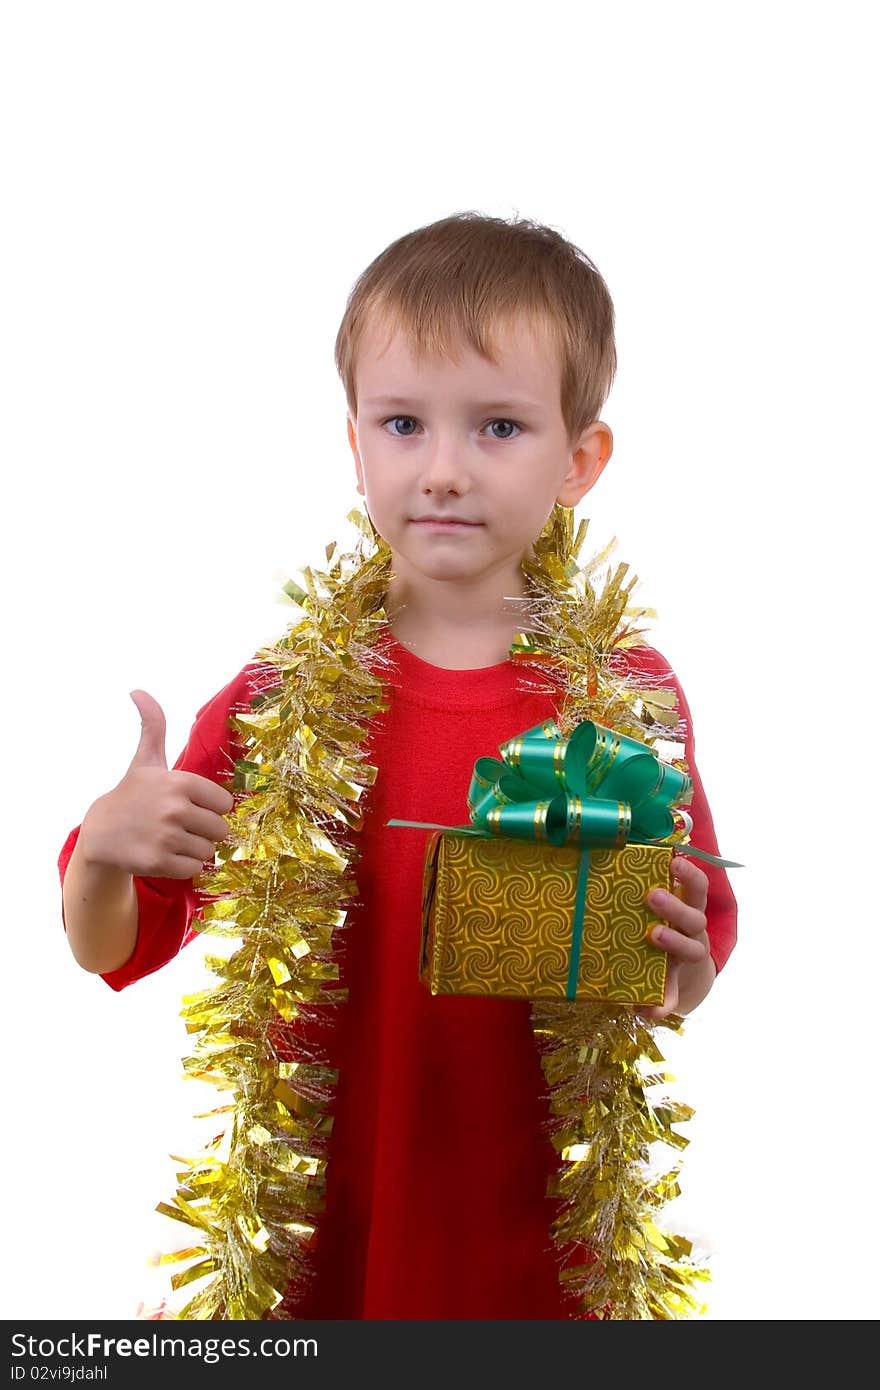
point(281, 884)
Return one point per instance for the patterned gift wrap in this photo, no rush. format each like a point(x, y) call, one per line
point(498, 918)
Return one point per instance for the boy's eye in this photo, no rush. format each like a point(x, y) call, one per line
point(409, 420)
point(505, 422)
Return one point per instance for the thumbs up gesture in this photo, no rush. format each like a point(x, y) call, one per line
point(155, 822)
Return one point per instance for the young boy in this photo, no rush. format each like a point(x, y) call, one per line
point(476, 355)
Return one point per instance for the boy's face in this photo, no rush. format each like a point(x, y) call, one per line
point(460, 462)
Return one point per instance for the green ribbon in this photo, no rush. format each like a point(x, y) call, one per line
point(594, 789)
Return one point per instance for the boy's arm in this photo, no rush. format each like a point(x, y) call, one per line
point(99, 908)
point(144, 921)
point(721, 906)
point(710, 916)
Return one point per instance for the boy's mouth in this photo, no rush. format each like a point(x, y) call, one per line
point(444, 523)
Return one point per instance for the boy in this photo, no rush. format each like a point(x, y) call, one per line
point(476, 355)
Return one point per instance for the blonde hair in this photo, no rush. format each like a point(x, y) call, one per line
point(467, 277)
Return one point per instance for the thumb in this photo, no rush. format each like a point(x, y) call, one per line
point(150, 751)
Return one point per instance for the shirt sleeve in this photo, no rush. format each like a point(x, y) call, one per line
point(166, 906)
point(648, 664)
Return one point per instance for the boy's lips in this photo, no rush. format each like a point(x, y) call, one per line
point(445, 522)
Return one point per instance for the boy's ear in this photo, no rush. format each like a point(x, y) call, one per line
point(588, 458)
point(352, 439)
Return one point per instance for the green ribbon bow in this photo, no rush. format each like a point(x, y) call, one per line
point(595, 789)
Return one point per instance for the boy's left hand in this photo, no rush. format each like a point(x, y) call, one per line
point(690, 970)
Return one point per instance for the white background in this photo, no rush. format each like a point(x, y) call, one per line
point(189, 191)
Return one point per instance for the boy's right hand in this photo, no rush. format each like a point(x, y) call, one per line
point(156, 823)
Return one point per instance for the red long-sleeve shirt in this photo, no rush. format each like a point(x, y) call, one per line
point(439, 1159)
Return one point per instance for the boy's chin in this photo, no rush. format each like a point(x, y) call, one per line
point(449, 571)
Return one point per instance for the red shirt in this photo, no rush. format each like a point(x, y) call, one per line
point(438, 1159)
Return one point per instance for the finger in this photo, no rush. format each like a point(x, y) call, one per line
point(194, 847)
point(657, 1010)
point(206, 824)
point(183, 866)
point(686, 949)
point(691, 880)
point(203, 792)
point(684, 918)
point(150, 751)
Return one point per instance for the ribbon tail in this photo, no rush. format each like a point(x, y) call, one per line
point(431, 825)
point(716, 859)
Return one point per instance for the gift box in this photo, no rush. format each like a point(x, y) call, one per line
point(542, 895)
point(529, 920)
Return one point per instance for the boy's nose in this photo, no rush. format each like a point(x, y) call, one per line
point(445, 468)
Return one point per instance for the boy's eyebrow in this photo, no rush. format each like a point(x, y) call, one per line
point(398, 401)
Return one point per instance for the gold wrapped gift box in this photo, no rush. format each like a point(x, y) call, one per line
point(498, 918)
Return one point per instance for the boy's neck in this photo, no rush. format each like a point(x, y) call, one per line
point(458, 648)
point(458, 630)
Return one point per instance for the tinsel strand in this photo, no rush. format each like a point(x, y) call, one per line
point(282, 883)
point(605, 1115)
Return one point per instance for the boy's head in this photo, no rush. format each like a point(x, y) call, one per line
point(476, 355)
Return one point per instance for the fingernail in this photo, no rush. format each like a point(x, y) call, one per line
point(655, 933)
point(657, 897)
